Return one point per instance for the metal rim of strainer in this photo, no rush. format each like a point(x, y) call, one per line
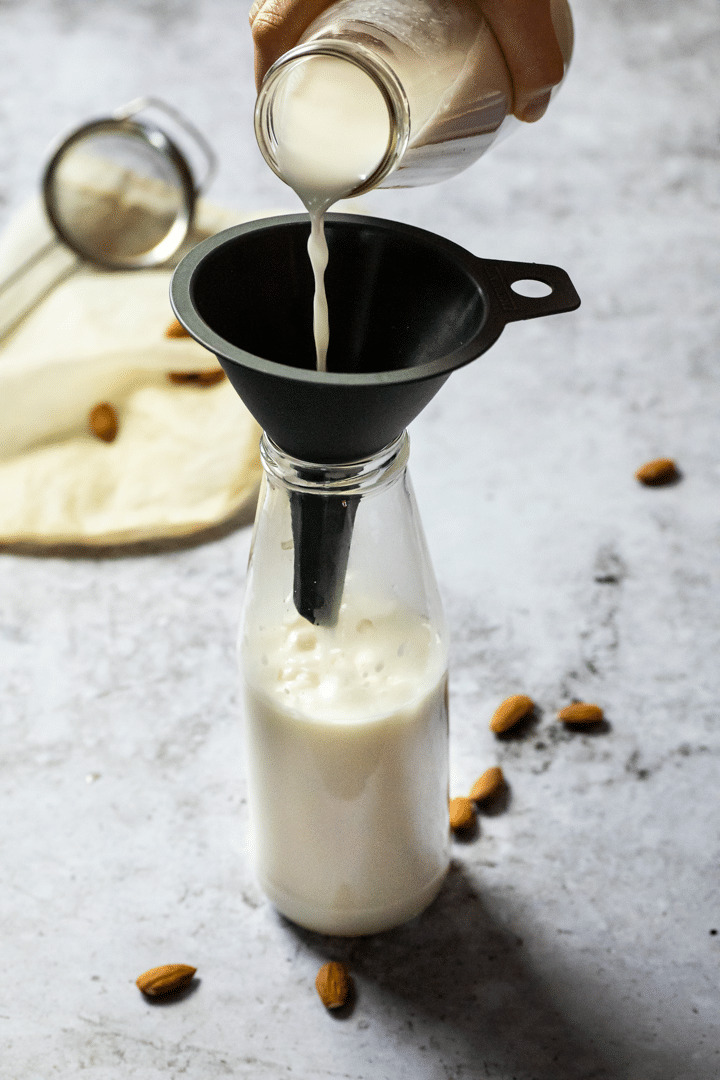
point(123, 122)
point(159, 142)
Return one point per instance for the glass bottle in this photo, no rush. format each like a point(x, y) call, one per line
point(429, 94)
point(345, 707)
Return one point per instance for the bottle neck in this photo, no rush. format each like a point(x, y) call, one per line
point(278, 84)
point(355, 478)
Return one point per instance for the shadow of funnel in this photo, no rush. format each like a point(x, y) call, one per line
point(406, 309)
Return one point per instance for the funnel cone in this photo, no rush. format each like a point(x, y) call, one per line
point(406, 309)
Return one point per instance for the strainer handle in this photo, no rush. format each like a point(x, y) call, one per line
point(40, 294)
point(140, 104)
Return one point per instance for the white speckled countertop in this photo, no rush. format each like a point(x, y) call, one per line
point(576, 936)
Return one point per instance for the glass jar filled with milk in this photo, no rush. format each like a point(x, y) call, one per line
point(393, 94)
point(343, 656)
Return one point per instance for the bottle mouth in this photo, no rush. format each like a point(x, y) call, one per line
point(356, 478)
point(324, 500)
point(381, 74)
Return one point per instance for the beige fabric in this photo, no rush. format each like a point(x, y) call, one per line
point(185, 458)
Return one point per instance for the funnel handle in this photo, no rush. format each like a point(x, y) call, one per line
point(514, 286)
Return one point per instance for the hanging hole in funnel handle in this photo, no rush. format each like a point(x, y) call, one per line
point(531, 287)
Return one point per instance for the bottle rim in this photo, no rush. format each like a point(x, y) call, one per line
point(375, 67)
point(351, 478)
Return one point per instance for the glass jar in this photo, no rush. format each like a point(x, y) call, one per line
point(345, 706)
point(429, 93)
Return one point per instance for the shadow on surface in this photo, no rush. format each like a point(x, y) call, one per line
point(467, 990)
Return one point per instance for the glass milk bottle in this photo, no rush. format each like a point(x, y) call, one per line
point(345, 705)
point(389, 94)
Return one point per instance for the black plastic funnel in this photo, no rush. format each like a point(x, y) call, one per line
point(406, 309)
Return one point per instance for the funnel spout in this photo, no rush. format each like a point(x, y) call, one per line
point(322, 528)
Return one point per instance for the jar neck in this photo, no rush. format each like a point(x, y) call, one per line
point(373, 66)
point(344, 479)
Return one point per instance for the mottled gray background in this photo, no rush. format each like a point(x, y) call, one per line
point(574, 940)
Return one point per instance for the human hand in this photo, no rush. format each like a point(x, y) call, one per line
point(526, 35)
point(523, 29)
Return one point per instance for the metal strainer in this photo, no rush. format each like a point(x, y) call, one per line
point(120, 192)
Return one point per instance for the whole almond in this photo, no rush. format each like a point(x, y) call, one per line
point(333, 984)
point(176, 330)
point(580, 712)
point(510, 711)
point(659, 471)
point(196, 378)
point(490, 783)
point(164, 980)
point(104, 421)
point(462, 812)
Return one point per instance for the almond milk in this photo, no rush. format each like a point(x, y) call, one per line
point(346, 736)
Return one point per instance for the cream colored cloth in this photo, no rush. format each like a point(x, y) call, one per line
point(185, 458)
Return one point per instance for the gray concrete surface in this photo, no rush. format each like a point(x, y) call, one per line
point(576, 938)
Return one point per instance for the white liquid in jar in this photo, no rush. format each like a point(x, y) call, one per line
point(320, 167)
point(346, 736)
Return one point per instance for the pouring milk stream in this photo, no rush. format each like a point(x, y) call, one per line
point(320, 168)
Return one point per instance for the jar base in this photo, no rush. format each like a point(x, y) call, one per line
point(340, 922)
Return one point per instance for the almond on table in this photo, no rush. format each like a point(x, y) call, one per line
point(333, 984)
point(580, 712)
point(462, 812)
point(165, 979)
point(656, 472)
point(510, 711)
point(490, 783)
